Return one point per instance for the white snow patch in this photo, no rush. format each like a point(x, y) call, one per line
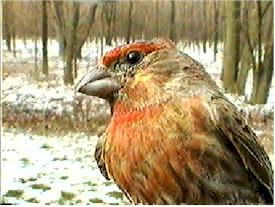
point(24, 158)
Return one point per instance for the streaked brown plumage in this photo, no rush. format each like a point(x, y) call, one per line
point(173, 137)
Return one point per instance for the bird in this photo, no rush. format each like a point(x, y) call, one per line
point(173, 136)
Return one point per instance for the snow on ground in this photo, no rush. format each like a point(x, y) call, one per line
point(40, 168)
point(63, 168)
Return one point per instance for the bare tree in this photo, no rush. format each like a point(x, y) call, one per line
point(172, 31)
point(45, 37)
point(84, 29)
point(216, 28)
point(157, 17)
point(246, 55)
point(71, 43)
point(109, 14)
point(36, 36)
point(9, 16)
point(58, 8)
point(232, 42)
point(129, 28)
point(72, 33)
point(204, 22)
point(262, 72)
point(7, 24)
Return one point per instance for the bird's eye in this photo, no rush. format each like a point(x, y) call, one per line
point(134, 57)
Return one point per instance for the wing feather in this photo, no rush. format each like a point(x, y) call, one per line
point(98, 155)
point(230, 124)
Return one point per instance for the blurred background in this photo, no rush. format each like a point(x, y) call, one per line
point(50, 131)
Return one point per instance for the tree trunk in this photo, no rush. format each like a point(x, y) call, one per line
point(75, 67)
point(71, 39)
point(36, 72)
point(204, 27)
point(61, 45)
point(113, 23)
point(45, 37)
point(103, 25)
point(70, 45)
point(245, 66)
point(58, 12)
point(101, 46)
point(223, 32)
point(12, 26)
point(13, 41)
point(262, 75)
point(108, 14)
point(129, 29)
point(266, 78)
point(83, 35)
point(7, 24)
point(172, 31)
point(246, 60)
point(257, 70)
point(216, 28)
point(232, 41)
point(157, 18)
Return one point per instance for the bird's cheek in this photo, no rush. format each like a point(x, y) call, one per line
point(143, 77)
point(124, 79)
point(121, 78)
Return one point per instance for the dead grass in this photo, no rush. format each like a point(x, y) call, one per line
point(50, 124)
point(27, 69)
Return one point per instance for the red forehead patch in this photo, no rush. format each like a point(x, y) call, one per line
point(144, 47)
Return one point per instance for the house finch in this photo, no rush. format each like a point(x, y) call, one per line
point(173, 137)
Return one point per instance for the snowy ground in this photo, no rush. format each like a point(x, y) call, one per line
point(61, 169)
point(54, 170)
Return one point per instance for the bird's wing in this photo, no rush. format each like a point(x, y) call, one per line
point(98, 155)
point(230, 124)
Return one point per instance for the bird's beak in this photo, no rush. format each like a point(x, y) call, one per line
point(97, 82)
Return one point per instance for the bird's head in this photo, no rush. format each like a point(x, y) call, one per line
point(134, 71)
